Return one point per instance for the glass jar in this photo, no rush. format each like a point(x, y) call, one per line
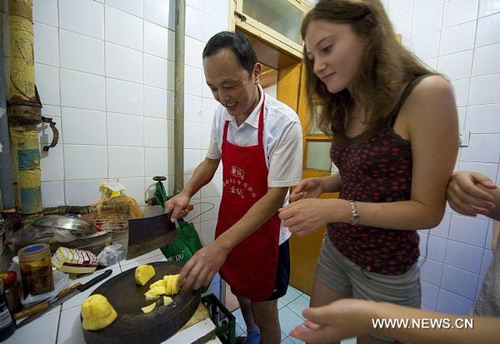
point(36, 269)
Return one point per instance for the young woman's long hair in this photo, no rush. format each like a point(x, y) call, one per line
point(385, 67)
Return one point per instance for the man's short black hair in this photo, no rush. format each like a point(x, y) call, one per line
point(238, 43)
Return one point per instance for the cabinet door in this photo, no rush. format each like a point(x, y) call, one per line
point(304, 250)
point(277, 22)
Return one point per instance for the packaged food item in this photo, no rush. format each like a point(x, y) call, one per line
point(36, 269)
point(74, 261)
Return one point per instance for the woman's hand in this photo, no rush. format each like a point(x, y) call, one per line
point(308, 188)
point(467, 193)
point(306, 215)
point(341, 319)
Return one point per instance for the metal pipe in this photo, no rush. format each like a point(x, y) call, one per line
point(7, 202)
point(24, 109)
point(180, 38)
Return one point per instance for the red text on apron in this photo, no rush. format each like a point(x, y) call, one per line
point(250, 268)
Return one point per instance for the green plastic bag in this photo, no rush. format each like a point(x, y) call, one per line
point(186, 244)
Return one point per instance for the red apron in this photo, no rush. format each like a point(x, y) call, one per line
point(250, 268)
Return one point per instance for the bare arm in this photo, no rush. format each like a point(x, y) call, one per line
point(496, 233)
point(202, 175)
point(202, 267)
point(332, 183)
point(349, 317)
point(314, 187)
point(434, 149)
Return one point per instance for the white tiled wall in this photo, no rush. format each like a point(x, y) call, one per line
point(105, 73)
point(460, 38)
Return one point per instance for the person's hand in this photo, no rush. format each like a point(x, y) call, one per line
point(305, 215)
point(202, 267)
point(467, 193)
point(177, 205)
point(308, 188)
point(341, 319)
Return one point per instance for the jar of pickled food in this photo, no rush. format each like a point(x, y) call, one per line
point(36, 269)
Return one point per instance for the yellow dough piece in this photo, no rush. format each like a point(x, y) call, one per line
point(97, 313)
point(151, 296)
point(167, 300)
point(171, 284)
point(165, 286)
point(149, 308)
point(143, 273)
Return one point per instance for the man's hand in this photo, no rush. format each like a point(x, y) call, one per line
point(308, 188)
point(178, 206)
point(202, 267)
point(467, 193)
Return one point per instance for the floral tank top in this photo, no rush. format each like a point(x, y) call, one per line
point(377, 168)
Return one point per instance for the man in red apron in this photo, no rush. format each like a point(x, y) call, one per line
point(259, 141)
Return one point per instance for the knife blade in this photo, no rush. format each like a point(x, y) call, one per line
point(43, 307)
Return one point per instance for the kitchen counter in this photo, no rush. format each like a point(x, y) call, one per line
point(62, 325)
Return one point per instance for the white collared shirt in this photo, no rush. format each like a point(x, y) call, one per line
point(282, 141)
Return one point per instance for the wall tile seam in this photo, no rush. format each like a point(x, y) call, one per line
point(424, 9)
point(487, 134)
point(478, 161)
point(473, 76)
point(47, 24)
point(60, 68)
point(124, 113)
point(489, 15)
point(455, 53)
point(486, 45)
point(142, 18)
point(483, 76)
point(458, 24)
point(117, 44)
point(59, 82)
point(472, 67)
point(443, 262)
point(457, 293)
point(154, 147)
point(156, 88)
point(429, 282)
point(475, 272)
point(465, 243)
point(418, 36)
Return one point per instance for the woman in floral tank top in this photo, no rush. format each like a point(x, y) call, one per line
point(394, 130)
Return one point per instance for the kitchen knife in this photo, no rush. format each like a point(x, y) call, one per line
point(150, 233)
point(43, 307)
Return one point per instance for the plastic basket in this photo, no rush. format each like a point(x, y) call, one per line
point(224, 320)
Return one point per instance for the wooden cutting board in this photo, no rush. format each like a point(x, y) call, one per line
point(134, 326)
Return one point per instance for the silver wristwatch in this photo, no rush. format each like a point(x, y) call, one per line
point(354, 214)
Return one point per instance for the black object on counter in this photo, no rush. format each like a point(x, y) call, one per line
point(62, 297)
point(132, 325)
point(7, 324)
